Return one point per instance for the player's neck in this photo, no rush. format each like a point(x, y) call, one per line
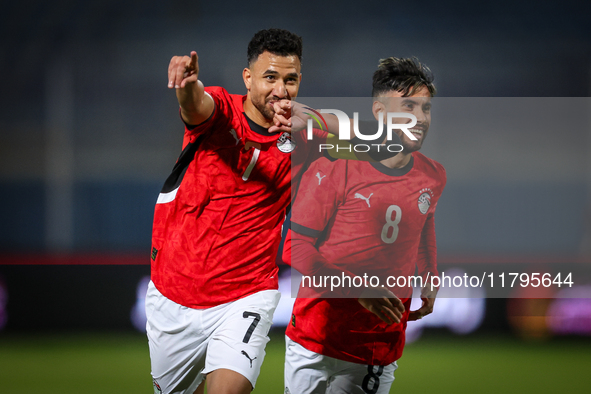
point(398, 161)
point(255, 115)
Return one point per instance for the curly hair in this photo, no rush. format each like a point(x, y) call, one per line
point(405, 75)
point(277, 41)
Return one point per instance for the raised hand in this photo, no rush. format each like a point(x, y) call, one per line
point(289, 117)
point(282, 117)
point(183, 70)
point(196, 106)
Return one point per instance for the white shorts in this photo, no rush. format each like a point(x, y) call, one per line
point(307, 372)
point(186, 344)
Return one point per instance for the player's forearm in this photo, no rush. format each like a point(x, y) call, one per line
point(196, 106)
point(301, 253)
point(343, 141)
point(427, 256)
point(334, 126)
point(306, 258)
point(308, 261)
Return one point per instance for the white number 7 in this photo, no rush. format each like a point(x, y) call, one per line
point(253, 161)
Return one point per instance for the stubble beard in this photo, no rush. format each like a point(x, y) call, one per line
point(264, 110)
point(409, 148)
point(412, 146)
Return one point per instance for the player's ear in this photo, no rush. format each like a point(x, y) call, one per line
point(378, 107)
point(246, 76)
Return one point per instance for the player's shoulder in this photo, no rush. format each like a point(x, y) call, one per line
point(318, 135)
point(431, 166)
point(334, 171)
point(225, 100)
point(216, 90)
point(328, 163)
point(222, 93)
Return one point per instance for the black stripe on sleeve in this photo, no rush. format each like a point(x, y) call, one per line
point(191, 127)
point(178, 172)
point(298, 228)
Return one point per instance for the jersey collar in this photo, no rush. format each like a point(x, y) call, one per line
point(394, 171)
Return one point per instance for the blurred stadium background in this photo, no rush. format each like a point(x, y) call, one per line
point(89, 132)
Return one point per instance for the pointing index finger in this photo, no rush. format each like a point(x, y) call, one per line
point(194, 59)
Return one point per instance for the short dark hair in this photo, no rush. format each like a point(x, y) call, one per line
point(277, 41)
point(405, 75)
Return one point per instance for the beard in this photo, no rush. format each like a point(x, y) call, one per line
point(410, 146)
point(264, 110)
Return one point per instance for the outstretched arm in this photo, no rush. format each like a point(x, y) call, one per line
point(196, 105)
point(291, 116)
point(342, 140)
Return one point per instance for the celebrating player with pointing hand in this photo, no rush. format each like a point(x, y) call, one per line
point(217, 223)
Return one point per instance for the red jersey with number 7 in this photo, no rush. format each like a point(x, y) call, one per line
point(369, 220)
point(217, 221)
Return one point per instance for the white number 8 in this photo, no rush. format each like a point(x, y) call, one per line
point(391, 224)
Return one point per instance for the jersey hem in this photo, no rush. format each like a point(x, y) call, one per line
point(196, 306)
point(313, 347)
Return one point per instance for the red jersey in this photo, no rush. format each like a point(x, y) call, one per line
point(363, 218)
point(217, 221)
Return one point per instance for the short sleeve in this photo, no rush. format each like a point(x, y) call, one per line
point(222, 113)
point(320, 193)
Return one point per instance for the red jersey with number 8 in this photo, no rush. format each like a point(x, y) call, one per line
point(364, 219)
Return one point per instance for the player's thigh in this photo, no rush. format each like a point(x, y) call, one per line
point(238, 343)
point(306, 372)
point(225, 381)
point(177, 344)
point(362, 379)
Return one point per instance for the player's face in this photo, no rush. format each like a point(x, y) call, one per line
point(271, 78)
point(419, 104)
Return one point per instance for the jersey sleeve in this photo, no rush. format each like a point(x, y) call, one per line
point(427, 255)
point(222, 113)
point(321, 192)
point(311, 146)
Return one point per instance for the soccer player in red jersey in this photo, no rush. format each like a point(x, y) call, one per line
point(374, 218)
point(217, 223)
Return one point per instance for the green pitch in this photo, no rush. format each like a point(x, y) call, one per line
point(119, 363)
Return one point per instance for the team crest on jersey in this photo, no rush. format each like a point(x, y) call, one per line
point(157, 389)
point(285, 144)
point(425, 200)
